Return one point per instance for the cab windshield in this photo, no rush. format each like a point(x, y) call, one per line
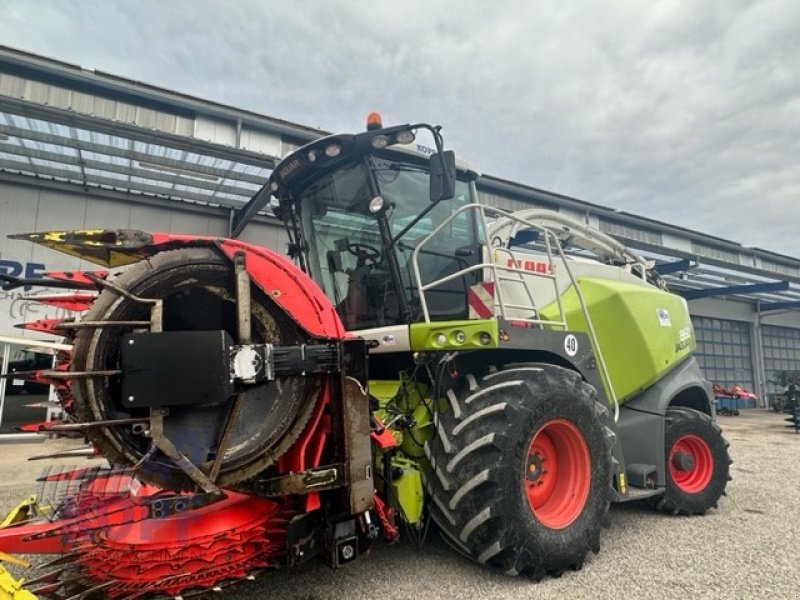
point(345, 249)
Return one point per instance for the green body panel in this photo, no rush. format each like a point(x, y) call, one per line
point(642, 331)
point(478, 334)
point(384, 389)
point(407, 493)
point(422, 432)
point(409, 398)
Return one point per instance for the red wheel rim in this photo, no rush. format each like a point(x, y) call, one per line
point(692, 476)
point(557, 474)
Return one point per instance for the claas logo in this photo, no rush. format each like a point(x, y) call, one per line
point(531, 265)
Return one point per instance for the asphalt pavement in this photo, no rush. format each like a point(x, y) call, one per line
point(748, 548)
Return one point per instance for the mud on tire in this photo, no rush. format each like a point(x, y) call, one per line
point(483, 464)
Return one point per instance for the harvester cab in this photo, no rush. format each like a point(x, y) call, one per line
point(356, 207)
point(428, 357)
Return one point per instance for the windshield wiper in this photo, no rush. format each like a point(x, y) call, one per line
point(411, 224)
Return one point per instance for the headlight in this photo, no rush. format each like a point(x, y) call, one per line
point(333, 150)
point(380, 141)
point(405, 137)
point(376, 204)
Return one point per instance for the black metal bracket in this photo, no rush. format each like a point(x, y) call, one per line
point(206, 366)
point(303, 482)
point(173, 505)
point(252, 363)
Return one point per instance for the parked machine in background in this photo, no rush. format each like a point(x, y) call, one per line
point(23, 361)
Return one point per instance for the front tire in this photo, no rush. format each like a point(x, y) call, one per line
point(698, 464)
point(521, 470)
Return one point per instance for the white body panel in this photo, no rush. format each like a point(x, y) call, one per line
point(537, 283)
point(390, 339)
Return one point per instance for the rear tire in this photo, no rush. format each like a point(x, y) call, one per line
point(697, 463)
point(521, 470)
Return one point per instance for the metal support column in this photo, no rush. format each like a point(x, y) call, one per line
point(3, 380)
point(759, 368)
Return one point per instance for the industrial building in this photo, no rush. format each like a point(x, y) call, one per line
point(85, 149)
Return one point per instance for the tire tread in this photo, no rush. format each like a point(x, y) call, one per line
point(474, 442)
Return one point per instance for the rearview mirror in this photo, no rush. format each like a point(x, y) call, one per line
point(443, 175)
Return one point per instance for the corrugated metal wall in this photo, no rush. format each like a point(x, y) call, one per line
point(104, 108)
point(26, 209)
point(201, 127)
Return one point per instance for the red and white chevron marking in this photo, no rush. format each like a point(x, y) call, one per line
point(481, 300)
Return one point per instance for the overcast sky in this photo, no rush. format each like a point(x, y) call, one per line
point(686, 112)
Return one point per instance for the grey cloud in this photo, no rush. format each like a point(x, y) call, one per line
point(685, 112)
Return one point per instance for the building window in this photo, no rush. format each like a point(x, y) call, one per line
point(781, 353)
point(723, 351)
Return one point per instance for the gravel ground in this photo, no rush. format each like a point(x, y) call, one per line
point(748, 548)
